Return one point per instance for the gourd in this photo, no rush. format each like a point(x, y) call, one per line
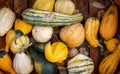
point(91, 30)
point(64, 6)
point(80, 64)
point(111, 44)
point(42, 34)
point(7, 18)
point(19, 44)
point(1, 72)
point(42, 66)
point(109, 23)
point(44, 5)
point(73, 35)
point(6, 63)
point(109, 64)
point(10, 36)
point(117, 2)
point(57, 52)
point(46, 18)
point(22, 63)
point(21, 27)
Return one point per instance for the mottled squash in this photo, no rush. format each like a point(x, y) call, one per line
point(109, 23)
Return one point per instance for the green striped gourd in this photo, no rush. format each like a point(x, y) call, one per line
point(46, 18)
point(80, 64)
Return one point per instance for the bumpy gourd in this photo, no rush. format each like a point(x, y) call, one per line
point(109, 23)
point(109, 64)
point(91, 30)
point(57, 52)
point(73, 35)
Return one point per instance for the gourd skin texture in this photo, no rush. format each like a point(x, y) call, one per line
point(109, 64)
point(46, 5)
point(57, 52)
point(73, 35)
point(64, 6)
point(109, 23)
point(91, 30)
point(6, 63)
point(7, 18)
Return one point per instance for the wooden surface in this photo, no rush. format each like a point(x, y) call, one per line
point(84, 6)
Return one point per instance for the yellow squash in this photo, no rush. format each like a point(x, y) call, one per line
point(10, 36)
point(6, 63)
point(57, 52)
point(111, 44)
point(109, 23)
point(44, 5)
point(91, 30)
point(110, 63)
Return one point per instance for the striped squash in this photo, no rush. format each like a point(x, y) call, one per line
point(80, 64)
point(46, 18)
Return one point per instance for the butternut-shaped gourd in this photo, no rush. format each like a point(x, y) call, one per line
point(6, 63)
point(91, 30)
point(64, 6)
point(111, 44)
point(109, 64)
point(73, 35)
point(57, 52)
point(109, 23)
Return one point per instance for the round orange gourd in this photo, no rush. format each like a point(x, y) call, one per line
point(73, 35)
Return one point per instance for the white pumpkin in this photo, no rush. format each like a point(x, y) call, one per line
point(42, 34)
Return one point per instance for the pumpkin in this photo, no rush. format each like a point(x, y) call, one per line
point(22, 63)
point(73, 35)
point(91, 30)
point(109, 23)
point(109, 64)
point(64, 6)
point(80, 64)
point(42, 34)
point(111, 44)
point(44, 5)
point(57, 52)
point(42, 66)
point(7, 18)
point(19, 44)
point(6, 63)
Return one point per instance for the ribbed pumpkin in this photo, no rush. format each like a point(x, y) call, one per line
point(109, 64)
point(19, 44)
point(6, 63)
point(73, 35)
point(80, 64)
point(109, 23)
point(22, 27)
point(91, 30)
point(57, 52)
point(64, 6)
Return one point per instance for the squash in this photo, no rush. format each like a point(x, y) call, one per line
point(117, 2)
point(73, 35)
point(7, 18)
point(42, 66)
point(22, 63)
point(19, 44)
point(80, 64)
point(46, 5)
point(52, 19)
point(91, 30)
point(64, 6)
point(10, 36)
point(109, 23)
point(57, 52)
point(1, 72)
point(6, 63)
point(21, 27)
point(42, 34)
point(109, 64)
point(111, 44)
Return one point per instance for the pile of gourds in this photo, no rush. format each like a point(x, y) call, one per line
point(39, 53)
